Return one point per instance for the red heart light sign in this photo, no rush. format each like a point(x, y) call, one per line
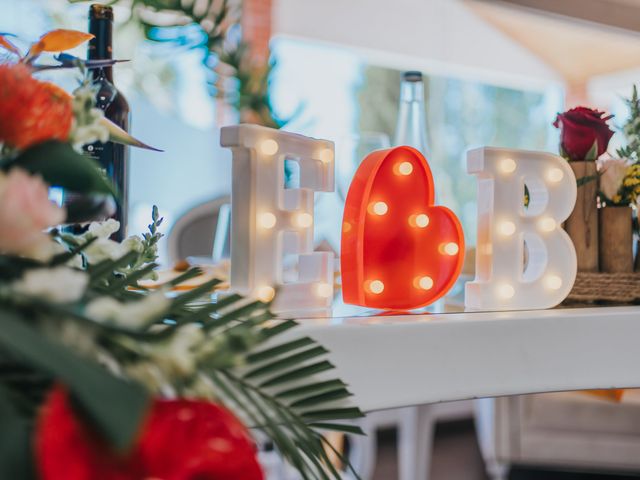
point(399, 250)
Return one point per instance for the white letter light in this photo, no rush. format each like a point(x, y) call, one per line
point(269, 221)
point(524, 259)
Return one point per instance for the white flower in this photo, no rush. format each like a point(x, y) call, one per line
point(104, 229)
point(103, 249)
point(75, 262)
point(88, 125)
point(178, 356)
point(133, 314)
point(59, 284)
point(133, 243)
point(613, 172)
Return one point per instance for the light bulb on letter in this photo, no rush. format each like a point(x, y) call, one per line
point(506, 291)
point(507, 228)
point(554, 175)
point(450, 248)
point(424, 283)
point(375, 286)
point(269, 146)
point(378, 208)
point(420, 220)
point(265, 293)
point(508, 165)
point(267, 220)
point(403, 168)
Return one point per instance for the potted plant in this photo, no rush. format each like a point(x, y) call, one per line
point(584, 137)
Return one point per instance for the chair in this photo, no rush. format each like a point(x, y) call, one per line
point(415, 426)
point(567, 430)
point(193, 234)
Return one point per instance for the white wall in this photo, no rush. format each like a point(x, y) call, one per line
point(437, 36)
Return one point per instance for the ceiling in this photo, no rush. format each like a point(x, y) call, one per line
point(579, 39)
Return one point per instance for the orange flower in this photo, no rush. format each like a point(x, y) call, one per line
point(31, 111)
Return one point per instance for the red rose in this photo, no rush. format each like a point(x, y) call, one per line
point(181, 440)
point(580, 128)
point(31, 111)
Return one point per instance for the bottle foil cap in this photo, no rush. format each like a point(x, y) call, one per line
point(412, 76)
point(98, 11)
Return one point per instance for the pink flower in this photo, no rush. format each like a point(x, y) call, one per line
point(25, 212)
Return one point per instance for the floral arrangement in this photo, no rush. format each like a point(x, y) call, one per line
point(620, 181)
point(585, 136)
point(102, 378)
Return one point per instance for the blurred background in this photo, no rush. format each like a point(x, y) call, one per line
point(495, 73)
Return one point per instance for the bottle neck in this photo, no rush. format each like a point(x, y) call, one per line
point(411, 128)
point(412, 92)
point(100, 46)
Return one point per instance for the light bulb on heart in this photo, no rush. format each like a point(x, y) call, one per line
point(399, 249)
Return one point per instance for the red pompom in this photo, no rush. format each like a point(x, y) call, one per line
point(180, 440)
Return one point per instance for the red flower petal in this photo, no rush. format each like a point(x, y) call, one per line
point(31, 111)
point(181, 440)
point(581, 127)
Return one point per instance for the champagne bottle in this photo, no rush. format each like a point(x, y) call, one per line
point(112, 157)
point(411, 128)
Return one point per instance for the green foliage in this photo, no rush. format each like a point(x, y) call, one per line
point(96, 390)
point(592, 154)
point(15, 440)
point(631, 129)
point(233, 354)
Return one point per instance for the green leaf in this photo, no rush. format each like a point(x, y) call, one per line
point(63, 258)
point(61, 166)
point(16, 458)
point(314, 400)
point(241, 314)
point(586, 179)
point(332, 414)
point(338, 427)
point(108, 266)
point(279, 328)
point(115, 407)
point(194, 294)
point(309, 389)
point(13, 267)
point(272, 352)
point(188, 275)
point(298, 373)
point(290, 361)
point(592, 154)
point(132, 278)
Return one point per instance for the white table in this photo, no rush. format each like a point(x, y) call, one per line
point(394, 361)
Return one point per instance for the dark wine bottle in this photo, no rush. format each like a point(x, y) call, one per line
point(113, 157)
